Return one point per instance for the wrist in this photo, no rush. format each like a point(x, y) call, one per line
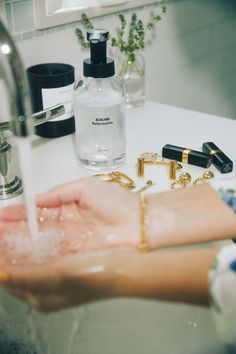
point(126, 274)
point(160, 217)
point(187, 216)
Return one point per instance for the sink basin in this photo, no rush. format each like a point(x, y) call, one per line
point(121, 326)
point(129, 326)
point(124, 326)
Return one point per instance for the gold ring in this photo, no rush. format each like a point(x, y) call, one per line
point(208, 175)
point(185, 178)
point(177, 185)
point(200, 180)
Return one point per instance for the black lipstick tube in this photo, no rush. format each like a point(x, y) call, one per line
point(188, 156)
point(219, 159)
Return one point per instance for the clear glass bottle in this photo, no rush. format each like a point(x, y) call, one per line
point(133, 73)
point(100, 109)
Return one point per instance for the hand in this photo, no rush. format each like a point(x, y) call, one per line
point(78, 279)
point(72, 280)
point(90, 214)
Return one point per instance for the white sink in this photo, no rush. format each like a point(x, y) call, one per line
point(124, 326)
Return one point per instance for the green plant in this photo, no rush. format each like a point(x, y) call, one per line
point(130, 37)
point(86, 23)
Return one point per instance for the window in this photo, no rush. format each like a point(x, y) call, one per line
point(49, 13)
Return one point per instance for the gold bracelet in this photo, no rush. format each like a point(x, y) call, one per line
point(143, 241)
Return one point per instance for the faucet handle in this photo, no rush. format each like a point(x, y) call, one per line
point(10, 184)
point(5, 126)
point(39, 117)
point(48, 114)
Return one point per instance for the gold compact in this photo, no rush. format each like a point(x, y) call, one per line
point(149, 158)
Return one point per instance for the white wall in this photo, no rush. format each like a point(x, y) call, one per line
point(190, 62)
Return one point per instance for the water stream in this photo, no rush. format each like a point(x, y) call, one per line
point(39, 334)
point(32, 246)
point(25, 161)
point(36, 247)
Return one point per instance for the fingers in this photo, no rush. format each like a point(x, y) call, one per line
point(40, 279)
point(49, 303)
point(72, 280)
point(63, 194)
point(42, 302)
point(45, 278)
point(42, 287)
point(13, 213)
point(66, 193)
point(13, 228)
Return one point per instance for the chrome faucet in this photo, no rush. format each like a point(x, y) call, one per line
point(15, 79)
point(21, 124)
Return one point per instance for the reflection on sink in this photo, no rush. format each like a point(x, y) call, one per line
point(124, 326)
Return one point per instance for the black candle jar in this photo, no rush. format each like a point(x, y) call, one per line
point(51, 84)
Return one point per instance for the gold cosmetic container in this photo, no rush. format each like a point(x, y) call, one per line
point(149, 158)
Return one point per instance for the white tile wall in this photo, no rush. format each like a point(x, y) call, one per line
point(189, 63)
point(23, 15)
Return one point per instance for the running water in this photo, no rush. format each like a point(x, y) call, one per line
point(39, 246)
point(24, 152)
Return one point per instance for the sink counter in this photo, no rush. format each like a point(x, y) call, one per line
point(149, 128)
point(125, 326)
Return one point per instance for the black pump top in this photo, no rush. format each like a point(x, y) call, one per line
point(98, 65)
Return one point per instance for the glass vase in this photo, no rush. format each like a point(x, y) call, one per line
point(132, 70)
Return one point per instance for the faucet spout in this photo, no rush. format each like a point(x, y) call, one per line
point(17, 85)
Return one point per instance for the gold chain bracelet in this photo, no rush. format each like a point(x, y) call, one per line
point(143, 240)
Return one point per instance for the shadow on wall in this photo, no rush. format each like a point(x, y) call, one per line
point(208, 42)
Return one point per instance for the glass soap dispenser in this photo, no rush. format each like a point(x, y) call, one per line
point(99, 106)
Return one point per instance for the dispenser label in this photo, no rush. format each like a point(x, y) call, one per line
point(60, 95)
point(102, 121)
point(100, 129)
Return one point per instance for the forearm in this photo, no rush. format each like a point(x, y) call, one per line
point(191, 215)
point(180, 276)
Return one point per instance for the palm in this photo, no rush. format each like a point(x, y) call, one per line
point(88, 216)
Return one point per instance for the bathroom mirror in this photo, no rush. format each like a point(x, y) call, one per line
point(49, 13)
